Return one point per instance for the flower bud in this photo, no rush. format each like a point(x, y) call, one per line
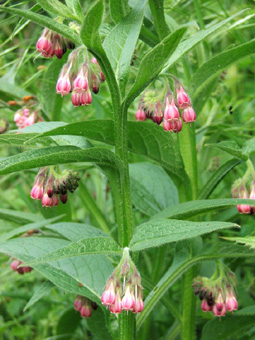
point(157, 116)
point(243, 208)
point(80, 83)
point(217, 312)
point(63, 86)
point(86, 310)
point(182, 98)
point(140, 115)
point(128, 300)
point(205, 307)
point(231, 302)
point(188, 115)
point(78, 303)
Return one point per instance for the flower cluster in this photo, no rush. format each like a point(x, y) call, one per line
point(239, 190)
point(28, 114)
point(49, 184)
point(80, 78)
point(162, 107)
point(15, 266)
point(51, 43)
point(123, 290)
point(217, 293)
point(84, 306)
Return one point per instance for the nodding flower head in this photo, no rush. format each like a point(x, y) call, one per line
point(188, 115)
point(171, 111)
point(123, 290)
point(217, 293)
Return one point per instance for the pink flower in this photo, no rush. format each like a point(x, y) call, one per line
point(182, 98)
point(47, 201)
point(243, 208)
point(80, 83)
point(169, 125)
point(231, 302)
point(116, 308)
point(63, 86)
point(140, 115)
point(128, 300)
point(108, 298)
point(205, 307)
point(86, 311)
point(171, 111)
point(188, 115)
point(218, 312)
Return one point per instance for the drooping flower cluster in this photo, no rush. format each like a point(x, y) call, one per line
point(15, 266)
point(123, 290)
point(80, 77)
point(239, 190)
point(28, 114)
point(165, 107)
point(84, 306)
point(49, 184)
point(51, 43)
point(217, 293)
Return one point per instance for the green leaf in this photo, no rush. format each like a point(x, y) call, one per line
point(88, 246)
point(153, 62)
point(67, 324)
point(231, 148)
point(90, 271)
point(249, 147)
point(157, 232)
point(58, 155)
point(248, 240)
point(151, 188)
point(97, 325)
point(193, 208)
point(19, 217)
point(120, 43)
point(57, 7)
point(213, 67)
point(27, 227)
point(118, 9)
point(52, 102)
point(44, 21)
point(39, 292)
point(75, 231)
point(180, 265)
point(227, 328)
point(196, 38)
point(76, 8)
point(143, 138)
point(217, 177)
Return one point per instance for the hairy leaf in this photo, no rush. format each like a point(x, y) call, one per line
point(157, 232)
point(84, 275)
point(56, 7)
point(19, 217)
point(120, 42)
point(193, 208)
point(44, 21)
point(39, 292)
point(151, 188)
point(198, 37)
point(217, 177)
point(230, 147)
point(153, 62)
point(248, 240)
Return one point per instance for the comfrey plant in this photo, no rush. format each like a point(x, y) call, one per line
point(129, 243)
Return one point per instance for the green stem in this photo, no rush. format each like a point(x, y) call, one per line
point(91, 205)
point(127, 330)
point(187, 145)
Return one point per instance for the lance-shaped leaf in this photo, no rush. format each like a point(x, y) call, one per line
point(143, 138)
point(191, 42)
point(120, 43)
point(88, 246)
point(153, 62)
point(39, 292)
point(157, 232)
point(193, 208)
point(44, 21)
point(248, 240)
point(217, 177)
point(27, 227)
point(84, 275)
point(58, 8)
point(75, 231)
point(19, 217)
point(213, 67)
point(231, 148)
point(58, 155)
